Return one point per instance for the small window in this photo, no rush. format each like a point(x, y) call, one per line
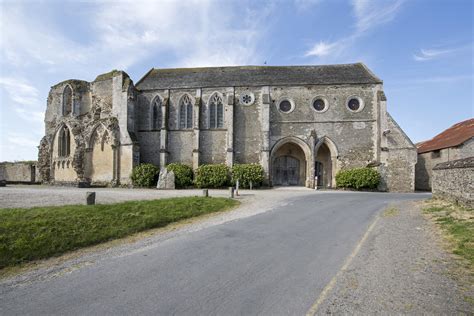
point(185, 112)
point(286, 106)
point(64, 142)
point(436, 154)
point(216, 111)
point(247, 98)
point(67, 100)
point(355, 104)
point(319, 105)
point(156, 117)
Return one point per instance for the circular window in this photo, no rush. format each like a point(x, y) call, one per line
point(285, 106)
point(319, 104)
point(247, 98)
point(355, 104)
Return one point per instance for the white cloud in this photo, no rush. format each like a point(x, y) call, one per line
point(429, 54)
point(302, 5)
point(368, 14)
point(322, 49)
point(22, 140)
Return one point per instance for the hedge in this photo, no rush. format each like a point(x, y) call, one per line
point(145, 175)
point(183, 174)
point(212, 176)
point(247, 173)
point(358, 178)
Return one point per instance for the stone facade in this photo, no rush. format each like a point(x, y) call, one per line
point(265, 115)
point(427, 161)
point(19, 172)
point(454, 180)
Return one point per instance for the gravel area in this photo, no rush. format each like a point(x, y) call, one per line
point(401, 268)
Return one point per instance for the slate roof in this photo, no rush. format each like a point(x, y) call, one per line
point(179, 78)
point(453, 136)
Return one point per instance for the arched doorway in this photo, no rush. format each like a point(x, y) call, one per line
point(325, 163)
point(289, 163)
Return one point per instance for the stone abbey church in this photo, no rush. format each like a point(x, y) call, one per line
point(301, 123)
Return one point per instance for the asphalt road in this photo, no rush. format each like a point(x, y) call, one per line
point(274, 263)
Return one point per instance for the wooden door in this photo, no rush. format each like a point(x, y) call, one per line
point(286, 171)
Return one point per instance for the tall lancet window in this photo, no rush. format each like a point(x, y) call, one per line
point(216, 111)
point(67, 100)
point(156, 117)
point(185, 112)
point(64, 142)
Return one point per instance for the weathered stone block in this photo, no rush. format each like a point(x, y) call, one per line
point(166, 180)
point(90, 198)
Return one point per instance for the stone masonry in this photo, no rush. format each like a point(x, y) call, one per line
point(298, 122)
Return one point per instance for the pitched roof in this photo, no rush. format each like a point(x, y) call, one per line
point(256, 76)
point(453, 136)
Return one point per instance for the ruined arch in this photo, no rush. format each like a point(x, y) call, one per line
point(100, 159)
point(67, 100)
point(291, 162)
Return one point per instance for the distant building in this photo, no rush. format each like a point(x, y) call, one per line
point(457, 142)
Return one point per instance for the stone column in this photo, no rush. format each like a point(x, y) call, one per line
point(164, 130)
point(196, 119)
point(229, 121)
point(265, 124)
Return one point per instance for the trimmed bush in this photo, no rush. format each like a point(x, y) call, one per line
point(247, 173)
point(358, 178)
point(145, 175)
point(212, 176)
point(183, 174)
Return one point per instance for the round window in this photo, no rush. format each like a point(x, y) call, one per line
point(247, 98)
point(285, 106)
point(319, 105)
point(353, 104)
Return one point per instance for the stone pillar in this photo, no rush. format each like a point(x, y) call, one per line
point(265, 117)
point(196, 119)
point(229, 121)
point(164, 130)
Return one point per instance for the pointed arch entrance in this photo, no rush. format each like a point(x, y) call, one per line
point(290, 163)
point(325, 163)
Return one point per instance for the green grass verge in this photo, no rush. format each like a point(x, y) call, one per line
point(42, 232)
point(458, 224)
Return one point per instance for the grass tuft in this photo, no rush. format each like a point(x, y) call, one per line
point(42, 232)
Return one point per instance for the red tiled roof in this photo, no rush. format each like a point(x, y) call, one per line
point(453, 136)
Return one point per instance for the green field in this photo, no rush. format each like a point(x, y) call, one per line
point(42, 232)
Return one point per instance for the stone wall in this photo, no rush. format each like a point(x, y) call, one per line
point(19, 172)
point(426, 162)
point(454, 180)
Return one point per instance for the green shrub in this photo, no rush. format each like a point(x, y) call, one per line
point(145, 175)
point(247, 173)
point(358, 178)
point(183, 174)
point(212, 176)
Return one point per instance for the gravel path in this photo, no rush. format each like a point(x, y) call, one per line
point(400, 269)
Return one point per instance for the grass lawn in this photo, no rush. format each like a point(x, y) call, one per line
point(42, 232)
point(458, 224)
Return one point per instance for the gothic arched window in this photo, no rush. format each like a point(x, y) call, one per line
point(216, 111)
point(185, 112)
point(67, 100)
point(156, 117)
point(64, 142)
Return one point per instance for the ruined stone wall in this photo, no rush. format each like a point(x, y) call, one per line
point(18, 172)
point(454, 180)
point(426, 162)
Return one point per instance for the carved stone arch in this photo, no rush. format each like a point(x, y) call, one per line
point(326, 156)
point(215, 110)
point(63, 146)
point(101, 155)
point(185, 111)
point(292, 143)
point(155, 112)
